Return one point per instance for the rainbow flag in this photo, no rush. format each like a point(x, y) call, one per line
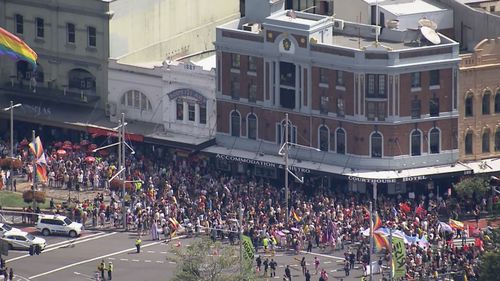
point(456, 224)
point(41, 173)
point(36, 148)
point(14, 47)
point(377, 223)
point(295, 216)
point(380, 242)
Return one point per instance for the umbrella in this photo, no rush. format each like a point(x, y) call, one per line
point(90, 159)
point(281, 233)
point(286, 231)
point(294, 229)
point(84, 142)
point(61, 152)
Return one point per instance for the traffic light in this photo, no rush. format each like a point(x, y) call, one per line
point(32, 250)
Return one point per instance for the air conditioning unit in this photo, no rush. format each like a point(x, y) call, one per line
point(252, 27)
point(338, 25)
point(110, 109)
point(375, 30)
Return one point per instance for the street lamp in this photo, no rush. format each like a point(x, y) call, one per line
point(121, 161)
point(11, 109)
point(284, 149)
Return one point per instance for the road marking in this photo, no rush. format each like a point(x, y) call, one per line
point(74, 240)
point(124, 259)
point(327, 262)
point(163, 252)
point(151, 252)
point(172, 262)
point(322, 255)
point(64, 245)
point(112, 259)
point(98, 258)
point(135, 260)
point(147, 260)
point(159, 261)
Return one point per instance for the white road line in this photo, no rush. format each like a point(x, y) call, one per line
point(322, 255)
point(147, 260)
point(124, 259)
point(172, 262)
point(64, 245)
point(163, 252)
point(98, 258)
point(151, 252)
point(111, 259)
point(135, 260)
point(159, 261)
point(74, 240)
point(327, 262)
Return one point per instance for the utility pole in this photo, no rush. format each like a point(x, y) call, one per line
point(11, 108)
point(371, 241)
point(33, 174)
point(124, 171)
point(287, 192)
point(240, 231)
point(390, 256)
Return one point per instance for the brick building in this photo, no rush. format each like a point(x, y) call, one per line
point(380, 105)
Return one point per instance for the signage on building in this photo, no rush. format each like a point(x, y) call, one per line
point(286, 46)
point(187, 93)
point(260, 163)
point(403, 179)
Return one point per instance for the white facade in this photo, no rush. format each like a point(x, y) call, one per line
point(178, 96)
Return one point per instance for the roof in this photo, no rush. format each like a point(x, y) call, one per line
point(410, 8)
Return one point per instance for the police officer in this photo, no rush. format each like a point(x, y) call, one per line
point(101, 268)
point(138, 243)
point(110, 270)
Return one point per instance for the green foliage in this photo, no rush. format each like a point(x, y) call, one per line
point(490, 266)
point(205, 260)
point(469, 186)
point(39, 196)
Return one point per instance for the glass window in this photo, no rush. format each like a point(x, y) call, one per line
point(252, 92)
point(203, 114)
point(39, 27)
point(180, 109)
point(340, 107)
point(252, 63)
point(381, 112)
point(381, 85)
point(280, 133)
point(235, 124)
point(235, 60)
point(144, 102)
point(415, 80)
point(486, 102)
point(468, 143)
point(486, 141)
point(130, 98)
point(92, 36)
point(323, 76)
point(19, 24)
point(376, 86)
point(370, 110)
point(376, 145)
point(70, 30)
point(371, 85)
point(340, 138)
point(323, 107)
point(434, 136)
point(287, 74)
point(191, 112)
point(137, 97)
point(434, 106)
point(497, 102)
point(323, 138)
point(434, 78)
point(469, 106)
point(416, 143)
point(235, 88)
point(415, 108)
point(252, 126)
point(497, 140)
point(340, 78)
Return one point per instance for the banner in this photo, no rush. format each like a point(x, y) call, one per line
point(398, 258)
point(248, 249)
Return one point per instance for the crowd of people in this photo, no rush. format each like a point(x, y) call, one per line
point(170, 193)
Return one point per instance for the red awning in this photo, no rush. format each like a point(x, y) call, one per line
point(110, 133)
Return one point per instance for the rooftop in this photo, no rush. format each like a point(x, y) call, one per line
point(411, 7)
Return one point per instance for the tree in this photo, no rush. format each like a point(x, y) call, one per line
point(472, 186)
point(490, 266)
point(205, 260)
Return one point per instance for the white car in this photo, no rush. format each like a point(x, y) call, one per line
point(5, 227)
point(56, 224)
point(21, 240)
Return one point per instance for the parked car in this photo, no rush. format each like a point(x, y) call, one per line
point(21, 240)
point(58, 225)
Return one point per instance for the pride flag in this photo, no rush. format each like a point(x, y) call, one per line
point(14, 47)
point(456, 224)
point(295, 216)
point(377, 223)
point(36, 148)
point(41, 173)
point(380, 242)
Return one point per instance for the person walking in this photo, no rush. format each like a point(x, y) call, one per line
point(5, 275)
point(266, 267)
point(303, 265)
point(138, 243)
point(273, 264)
point(347, 268)
point(11, 274)
point(288, 274)
point(316, 265)
point(110, 270)
point(308, 275)
point(258, 260)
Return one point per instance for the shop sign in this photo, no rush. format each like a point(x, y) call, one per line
point(260, 163)
point(187, 93)
point(358, 179)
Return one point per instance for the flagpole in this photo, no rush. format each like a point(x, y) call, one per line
point(240, 232)
point(33, 173)
point(371, 241)
point(390, 256)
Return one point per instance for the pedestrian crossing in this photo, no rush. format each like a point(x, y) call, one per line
point(142, 261)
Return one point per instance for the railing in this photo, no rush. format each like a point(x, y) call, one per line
point(66, 95)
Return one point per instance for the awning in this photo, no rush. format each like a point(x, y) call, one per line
point(485, 166)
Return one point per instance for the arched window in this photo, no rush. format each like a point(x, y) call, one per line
point(235, 124)
point(324, 141)
point(486, 141)
point(468, 143)
point(376, 145)
point(252, 126)
point(497, 140)
point(138, 100)
point(434, 141)
point(416, 143)
point(81, 79)
point(469, 105)
point(340, 141)
point(497, 102)
point(486, 102)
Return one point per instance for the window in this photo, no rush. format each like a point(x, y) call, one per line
point(434, 140)
point(468, 143)
point(340, 78)
point(235, 88)
point(323, 76)
point(203, 114)
point(340, 143)
point(287, 74)
point(375, 109)
point(70, 33)
point(376, 86)
point(486, 102)
point(280, 132)
point(376, 145)
point(434, 106)
point(235, 61)
point(235, 124)
point(469, 106)
point(39, 27)
point(180, 109)
point(497, 140)
point(323, 107)
point(19, 24)
point(486, 141)
point(323, 142)
point(252, 126)
point(340, 107)
point(497, 102)
point(416, 143)
point(415, 80)
point(252, 64)
point(191, 112)
point(92, 36)
point(434, 78)
point(137, 100)
point(415, 108)
point(252, 92)
point(287, 98)
point(370, 110)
